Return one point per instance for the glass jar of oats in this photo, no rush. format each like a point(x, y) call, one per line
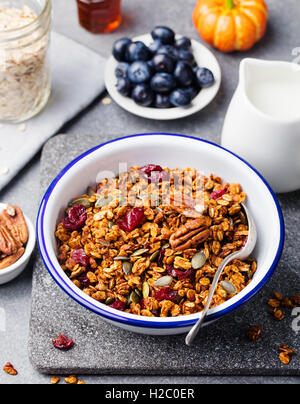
point(25, 83)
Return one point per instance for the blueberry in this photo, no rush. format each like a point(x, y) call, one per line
point(143, 95)
point(183, 43)
point(151, 66)
point(137, 51)
point(184, 74)
point(122, 70)
point(162, 101)
point(155, 46)
point(180, 98)
point(169, 51)
point(205, 77)
point(163, 63)
point(186, 56)
point(164, 34)
point(124, 86)
point(163, 83)
point(193, 91)
point(119, 49)
point(139, 72)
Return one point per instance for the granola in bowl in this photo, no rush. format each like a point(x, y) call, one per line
point(149, 241)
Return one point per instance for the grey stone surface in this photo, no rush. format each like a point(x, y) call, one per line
point(282, 38)
point(102, 349)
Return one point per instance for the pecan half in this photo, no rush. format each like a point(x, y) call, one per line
point(11, 259)
point(16, 225)
point(191, 234)
point(8, 245)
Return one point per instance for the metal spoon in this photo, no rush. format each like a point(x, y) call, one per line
point(244, 253)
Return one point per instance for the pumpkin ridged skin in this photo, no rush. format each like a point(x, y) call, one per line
point(231, 29)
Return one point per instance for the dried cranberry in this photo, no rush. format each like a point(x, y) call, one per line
point(177, 273)
point(62, 342)
point(165, 294)
point(161, 257)
point(84, 280)
point(217, 194)
point(142, 303)
point(153, 173)
point(76, 218)
point(80, 257)
point(156, 312)
point(132, 219)
point(118, 305)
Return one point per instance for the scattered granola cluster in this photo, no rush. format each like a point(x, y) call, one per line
point(9, 369)
point(277, 302)
point(254, 333)
point(13, 236)
point(149, 241)
point(280, 302)
point(285, 354)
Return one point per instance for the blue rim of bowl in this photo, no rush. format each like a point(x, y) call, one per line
point(139, 322)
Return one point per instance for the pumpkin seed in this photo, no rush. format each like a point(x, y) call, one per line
point(139, 252)
point(159, 209)
point(133, 298)
point(109, 300)
point(229, 287)
point(90, 191)
point(164, 281)
point(111, 224)
point(166, 246)
point(104, 201)
point(127, 267)
point(120, 258)
point(154, 256)
point(139, 293)
point(146, 290)
point(81, 201)
point(198, 260)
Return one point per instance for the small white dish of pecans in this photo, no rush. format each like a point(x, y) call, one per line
point(17, 241)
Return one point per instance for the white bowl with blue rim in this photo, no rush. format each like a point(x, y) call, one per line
point(172, 151)
point(13, 271)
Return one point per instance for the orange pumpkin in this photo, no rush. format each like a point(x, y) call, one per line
point(231, 25)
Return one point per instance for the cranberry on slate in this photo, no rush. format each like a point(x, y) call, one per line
point(217, 194)
point(132, 219)
point(76, 218)
point(118, 305)
point(153, 173)
point(80, 257)
point(62, 342)
point(165, 294)
point(177, 273)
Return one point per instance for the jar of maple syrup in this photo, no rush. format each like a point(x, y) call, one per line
point(99, 16)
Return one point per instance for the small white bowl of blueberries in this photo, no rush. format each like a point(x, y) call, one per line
point(162, 75)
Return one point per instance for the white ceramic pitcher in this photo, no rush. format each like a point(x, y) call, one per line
point(262, 124)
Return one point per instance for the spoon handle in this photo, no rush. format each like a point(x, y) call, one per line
point(194, 331)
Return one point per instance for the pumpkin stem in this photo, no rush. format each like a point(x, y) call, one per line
point(230, 4)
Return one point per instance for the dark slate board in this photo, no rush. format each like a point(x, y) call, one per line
point(222, 348)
